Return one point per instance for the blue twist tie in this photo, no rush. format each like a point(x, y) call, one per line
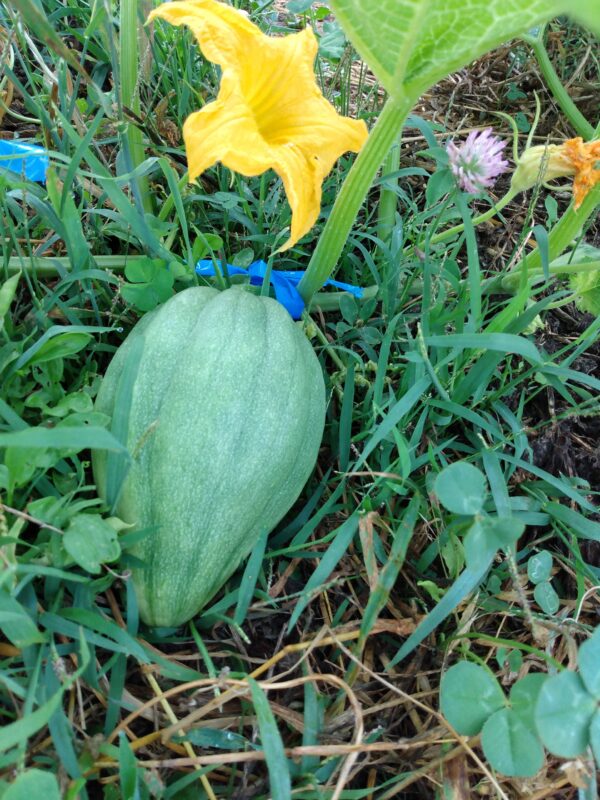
point(31, 160)
point(284, 282)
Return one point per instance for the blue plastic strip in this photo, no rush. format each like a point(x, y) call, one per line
point(284, 282)
point(25, 159)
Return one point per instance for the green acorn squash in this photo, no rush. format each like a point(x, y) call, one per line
point(225, 411)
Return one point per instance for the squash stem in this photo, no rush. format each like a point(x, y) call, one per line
point(352, 195)
point(554, 83)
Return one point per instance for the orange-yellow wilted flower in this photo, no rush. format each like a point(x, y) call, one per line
point(269, 113)
point(547, 162)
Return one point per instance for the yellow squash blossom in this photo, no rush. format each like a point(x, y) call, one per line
point(269, 113)
point(547, 162)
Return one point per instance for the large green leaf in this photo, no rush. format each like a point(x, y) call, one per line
point(421, 41)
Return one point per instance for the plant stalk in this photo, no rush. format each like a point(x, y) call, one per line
point(553, 82)
point(129, 58)
point(352, 195)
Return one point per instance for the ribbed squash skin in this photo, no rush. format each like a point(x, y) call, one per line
point(226, 418)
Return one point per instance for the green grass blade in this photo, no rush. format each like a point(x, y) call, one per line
point(465, 584)
point(279, 773)
point(327, 564)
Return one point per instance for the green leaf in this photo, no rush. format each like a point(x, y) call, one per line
point(539, 567)
point(466, 583)
point(128, 775)
point(18, 732)
point(546, 598)
point(151, 283)
point(279, 773)
point(487, 535)
point(500, 342)
point(524, 694)
point(91, 542)
point(205, 245)
point(461, 488)
point(422, 41)
point(563, 714)
point(589, 664)
point(213, 737)
point(586, 287)
point(7, 295)
point(510, 745)
point(469, 695)
point(16, 624)
point(332, 42)
point(61, 346)
point(248, 582)
point(336, 550)
point(299, 6)
point(595, 736)
point(33, 784)
point(77, 438)
point(580, 525)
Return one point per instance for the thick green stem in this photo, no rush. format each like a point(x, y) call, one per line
point(47, 266)
point(511, 282)
point(352, 195)
point(129, 63)
point(553, 82)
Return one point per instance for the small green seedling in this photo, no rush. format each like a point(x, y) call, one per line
point(539, 572)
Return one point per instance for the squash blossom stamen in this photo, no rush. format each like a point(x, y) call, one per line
point(269, 112)
point(547, 162)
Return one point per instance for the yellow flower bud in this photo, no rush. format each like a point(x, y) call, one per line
point(541, 164)
point(546, 162)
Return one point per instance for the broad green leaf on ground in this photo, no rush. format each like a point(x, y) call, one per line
point(563, 715)
point(589, 664)
point(545, 596)
point(62, 346)
point(469, 695)
point(151, 283)
point(510, 745)
point(91, 542)
point(487, 535)
point(33, 783)
point(595, 736)
point(16, 624)
point(524, 694)
point(461, 488)
point(419, 42)
point(539, 567)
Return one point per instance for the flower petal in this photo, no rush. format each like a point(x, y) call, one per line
point(221, 31)
point(225, 131)
point(269, 113)
point(584, 157)
point(302, 180)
